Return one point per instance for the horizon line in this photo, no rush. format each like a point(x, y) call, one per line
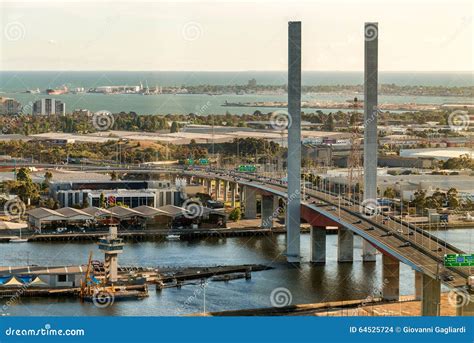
point(235, 71)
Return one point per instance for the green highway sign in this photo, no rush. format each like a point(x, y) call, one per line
point(203, 161)
point(459, 260)
point(247, 168)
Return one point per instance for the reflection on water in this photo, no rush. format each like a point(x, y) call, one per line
point(308, 283)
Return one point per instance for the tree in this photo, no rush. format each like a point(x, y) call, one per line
point(174, 127)
point(452, 197)
point(389, 193)
point(235, 214)
point(329, 124)
point(419, 200)
point(102, 201)
point(48, 177)
point(113, 176)
point(23, 175)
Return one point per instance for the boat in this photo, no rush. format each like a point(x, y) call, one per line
point(173, 237)
point(59, 91)
point(33, 91)
point(18, 239)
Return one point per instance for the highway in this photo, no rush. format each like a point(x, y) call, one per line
point(424, 253)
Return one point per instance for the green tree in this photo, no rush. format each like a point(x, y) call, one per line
point(48, 176)
point(23, 175)
point(235, 214)
point(389, 193)
point(102, 201)
point(174, 127)
point(452, 197)
point(113, 176)
point(419, 200)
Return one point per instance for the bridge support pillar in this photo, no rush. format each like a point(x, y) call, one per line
point(418, 284)
point(218, 189)
point(318, 244)
point(430, 296)
point(208, 186)
point(233, 191)
point(250, 203)
point(467, 299)
point(268, 211)
point(226, 188)
point(390, 278)
point(369, 252)
point(345, 245)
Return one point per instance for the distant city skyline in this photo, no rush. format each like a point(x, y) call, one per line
point(417, 35)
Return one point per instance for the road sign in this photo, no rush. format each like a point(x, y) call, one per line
point(459, 260)
point(247, 168)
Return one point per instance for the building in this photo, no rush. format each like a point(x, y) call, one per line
point(48, 107)
point(406, 162)
point(9, 106)
point(130, 193)
point(41, 277)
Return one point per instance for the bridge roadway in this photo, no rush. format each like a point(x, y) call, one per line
point(425, 253)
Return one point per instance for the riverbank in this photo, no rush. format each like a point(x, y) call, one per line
point(407, 306)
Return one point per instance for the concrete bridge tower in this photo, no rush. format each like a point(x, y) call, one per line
point(371, 34)
point(293, 208)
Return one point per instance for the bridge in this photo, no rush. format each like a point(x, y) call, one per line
point(397, 241)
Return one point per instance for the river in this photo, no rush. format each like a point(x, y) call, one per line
point(307, 284)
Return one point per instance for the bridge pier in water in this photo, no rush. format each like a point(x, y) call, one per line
point(369, 252)
point(390, 278)
point(345, 245)
point(269, 208)
point(430, 296)
point(418, 284)
point(318, 244)
point(250, 198)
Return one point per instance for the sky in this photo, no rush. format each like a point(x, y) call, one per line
point(415, 35)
